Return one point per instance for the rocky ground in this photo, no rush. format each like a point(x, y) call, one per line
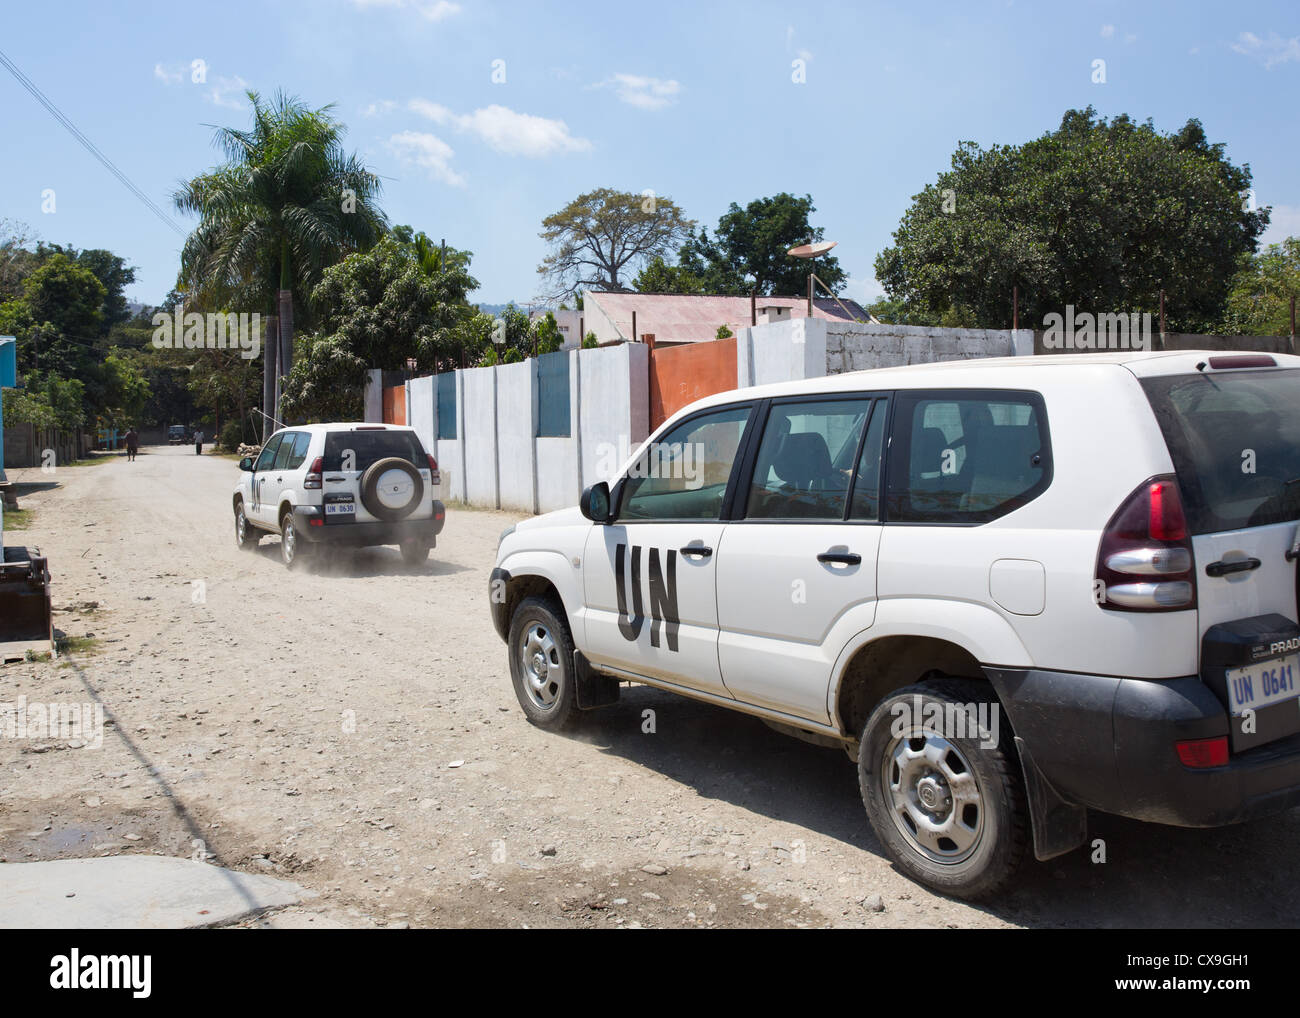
point(353, 726)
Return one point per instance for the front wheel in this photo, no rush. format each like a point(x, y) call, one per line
point(541, 662)
point(245, 536)
point(942, 788)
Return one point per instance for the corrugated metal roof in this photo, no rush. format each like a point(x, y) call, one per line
point(687, 318)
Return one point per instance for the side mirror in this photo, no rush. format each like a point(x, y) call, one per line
point(595, 503)
point(246, 463)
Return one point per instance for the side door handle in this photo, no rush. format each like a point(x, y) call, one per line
point(696, 549)
point(1222, 568)
point(843, 558)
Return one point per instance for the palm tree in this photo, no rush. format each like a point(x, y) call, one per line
point(287, 203)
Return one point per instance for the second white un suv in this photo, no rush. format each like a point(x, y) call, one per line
point(1013, 589)
point(354, 485)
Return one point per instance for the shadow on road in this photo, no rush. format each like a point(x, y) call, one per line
point(1152, 876)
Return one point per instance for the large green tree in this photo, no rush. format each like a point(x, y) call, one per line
point(601, 237)
point(748, 253)
point(1101, 214)
point(378, 309)
point(1259, 302)
point(288, 203)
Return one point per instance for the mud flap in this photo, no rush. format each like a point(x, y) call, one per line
point(592, 689)
point(1059, 826)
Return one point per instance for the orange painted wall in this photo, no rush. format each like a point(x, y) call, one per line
point(682, 374)
point(395, 404)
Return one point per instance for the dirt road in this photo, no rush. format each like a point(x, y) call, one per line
point(353, 726)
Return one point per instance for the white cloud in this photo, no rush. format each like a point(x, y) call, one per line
point(644, 92)
point(228, 92)
point(429, 152)
point(437, 10)
point(1129, 39)
point(377, 108)
point(165, 76)
point(1270, 51)
point(506, 131)
point(1107, 31)
point(1284, 222)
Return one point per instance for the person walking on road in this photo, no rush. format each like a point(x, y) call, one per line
point(198, 443)
point(132, 444)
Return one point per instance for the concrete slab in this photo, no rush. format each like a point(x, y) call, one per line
point(134, 892)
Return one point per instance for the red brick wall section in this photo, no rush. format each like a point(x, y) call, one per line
point(395, 404)
point(680, 375)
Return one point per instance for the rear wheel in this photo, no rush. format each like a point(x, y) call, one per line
point(414, 552)
point(541, 662)
point(942, 788)
point(293, 549)
point(246, 536)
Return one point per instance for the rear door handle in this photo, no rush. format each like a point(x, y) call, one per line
point(696, 549)
point(841, 557)
point(1222, 568)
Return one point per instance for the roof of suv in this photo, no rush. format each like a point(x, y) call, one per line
point(974, 372)
point(346, 426)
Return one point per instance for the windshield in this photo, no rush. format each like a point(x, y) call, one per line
point(1234, 438)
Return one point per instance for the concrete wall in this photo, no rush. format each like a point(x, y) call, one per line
point(811, 347)
point(856, 347)
point(614, 409)
point(498, 462)
point(781, 351)
point(516, 395)
point(478, 413)
point(557, 457)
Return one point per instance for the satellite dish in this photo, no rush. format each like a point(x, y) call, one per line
point(812, 250)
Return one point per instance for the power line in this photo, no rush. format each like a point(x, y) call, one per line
point(86, 143)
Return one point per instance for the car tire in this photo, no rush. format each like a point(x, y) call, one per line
point(294, 550)
point(541, 662)
point(948, 807)
point(414, 552)
point(246, 536)
point(370, 496)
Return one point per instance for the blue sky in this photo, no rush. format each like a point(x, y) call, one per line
point(692, 100)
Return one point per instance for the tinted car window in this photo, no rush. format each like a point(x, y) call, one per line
point(357, 450)
point(1234, 438)
point(683, 475)
point(267, 456)
point(285, 453)
point(866, 484)
point(965, 457)
point(302, 441)
point(805, 460)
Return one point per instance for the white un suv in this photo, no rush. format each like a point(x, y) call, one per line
point(354, 485)
point(1013, 589)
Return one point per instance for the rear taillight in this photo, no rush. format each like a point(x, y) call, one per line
point(434, 476)
point(1145, 561)
point(1203, 752)
point(314, 471)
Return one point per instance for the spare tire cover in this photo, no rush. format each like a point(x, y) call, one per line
point(391, 489)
